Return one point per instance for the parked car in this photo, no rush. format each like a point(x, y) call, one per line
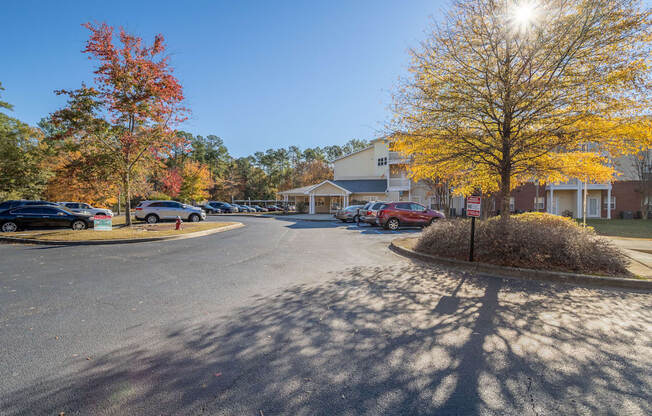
point(241, 208)
point(362, 210)
point(42, 216)
point(393, 215)
point(20, 202)
point(258, 208)
point(155, 211)
point(247, 208)
point(369, 211)
point(349, 213)
point(274, 208)
point(212, 207)
point(83, 208)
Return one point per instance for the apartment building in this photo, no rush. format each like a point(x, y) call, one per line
point(616, 199)
point(371, 174)
point(378, 174)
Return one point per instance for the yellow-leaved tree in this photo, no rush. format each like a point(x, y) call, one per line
point(196, 182)
point(505, 91)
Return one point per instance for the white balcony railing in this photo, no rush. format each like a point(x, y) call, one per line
point(395, 157)
point(399, 183)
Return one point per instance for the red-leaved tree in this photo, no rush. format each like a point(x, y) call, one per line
point(128, 114)
point(171, 182)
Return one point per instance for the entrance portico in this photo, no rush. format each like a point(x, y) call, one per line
point(323, 198)
point(568, 199)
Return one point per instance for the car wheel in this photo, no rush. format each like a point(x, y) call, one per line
point(393, 224)
point(9, 227)
point(78, 225)
point(356, 218)
point(432, 220)
point(151, 219)
point(194, 218)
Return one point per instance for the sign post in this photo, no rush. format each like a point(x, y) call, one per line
point(102, 223)
point(473, 208)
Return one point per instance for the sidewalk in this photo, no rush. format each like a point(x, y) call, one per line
point(639, 250)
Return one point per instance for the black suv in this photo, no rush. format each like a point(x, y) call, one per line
point(42, 216)
point(217, 207)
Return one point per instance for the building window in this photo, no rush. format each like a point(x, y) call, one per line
point(511, 204)
point(538, 203)
point(372, 198)
point(613, 203)
point(382, 161)
point(320, 201)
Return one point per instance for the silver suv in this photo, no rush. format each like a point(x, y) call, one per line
point(155, 211)
point(82, 208)
point(369, 212)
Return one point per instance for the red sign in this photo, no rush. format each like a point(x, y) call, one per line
point(473, 204)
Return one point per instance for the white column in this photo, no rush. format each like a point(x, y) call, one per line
point(609, 202)
point(311, 206)
point(579, 205)
point(346, 201)
point(551, 208)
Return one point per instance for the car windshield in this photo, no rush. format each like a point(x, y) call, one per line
point(378, 206)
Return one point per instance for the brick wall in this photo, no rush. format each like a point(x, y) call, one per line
point(627, 198)
point(523, 198)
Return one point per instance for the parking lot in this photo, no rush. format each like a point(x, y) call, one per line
point(297, 317)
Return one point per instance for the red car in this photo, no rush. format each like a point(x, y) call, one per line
point(395, 214)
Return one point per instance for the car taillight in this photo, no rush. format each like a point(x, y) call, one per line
point(138, 209)
point(368, 212)
point(381, 212)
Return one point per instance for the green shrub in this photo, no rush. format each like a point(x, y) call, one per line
point(531, 240)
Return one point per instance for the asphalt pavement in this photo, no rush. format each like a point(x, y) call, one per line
point(286, 317)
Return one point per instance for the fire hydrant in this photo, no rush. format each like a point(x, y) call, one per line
point(178, 223)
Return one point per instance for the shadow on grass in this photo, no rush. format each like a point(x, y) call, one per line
point(407, 339)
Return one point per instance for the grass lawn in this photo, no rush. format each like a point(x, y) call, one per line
point(140, 230)
point(622, 228)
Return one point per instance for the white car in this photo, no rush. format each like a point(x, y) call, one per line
point(82, 208)
point(155, 211)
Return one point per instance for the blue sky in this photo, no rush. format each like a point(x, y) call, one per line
point(259, 74)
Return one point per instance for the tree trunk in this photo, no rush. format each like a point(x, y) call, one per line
point(505, 185)
point(127, 193)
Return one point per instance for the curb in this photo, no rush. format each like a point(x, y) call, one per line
point(522, 274)
point(125, 241)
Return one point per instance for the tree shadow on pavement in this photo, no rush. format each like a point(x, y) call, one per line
point(410, 339)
